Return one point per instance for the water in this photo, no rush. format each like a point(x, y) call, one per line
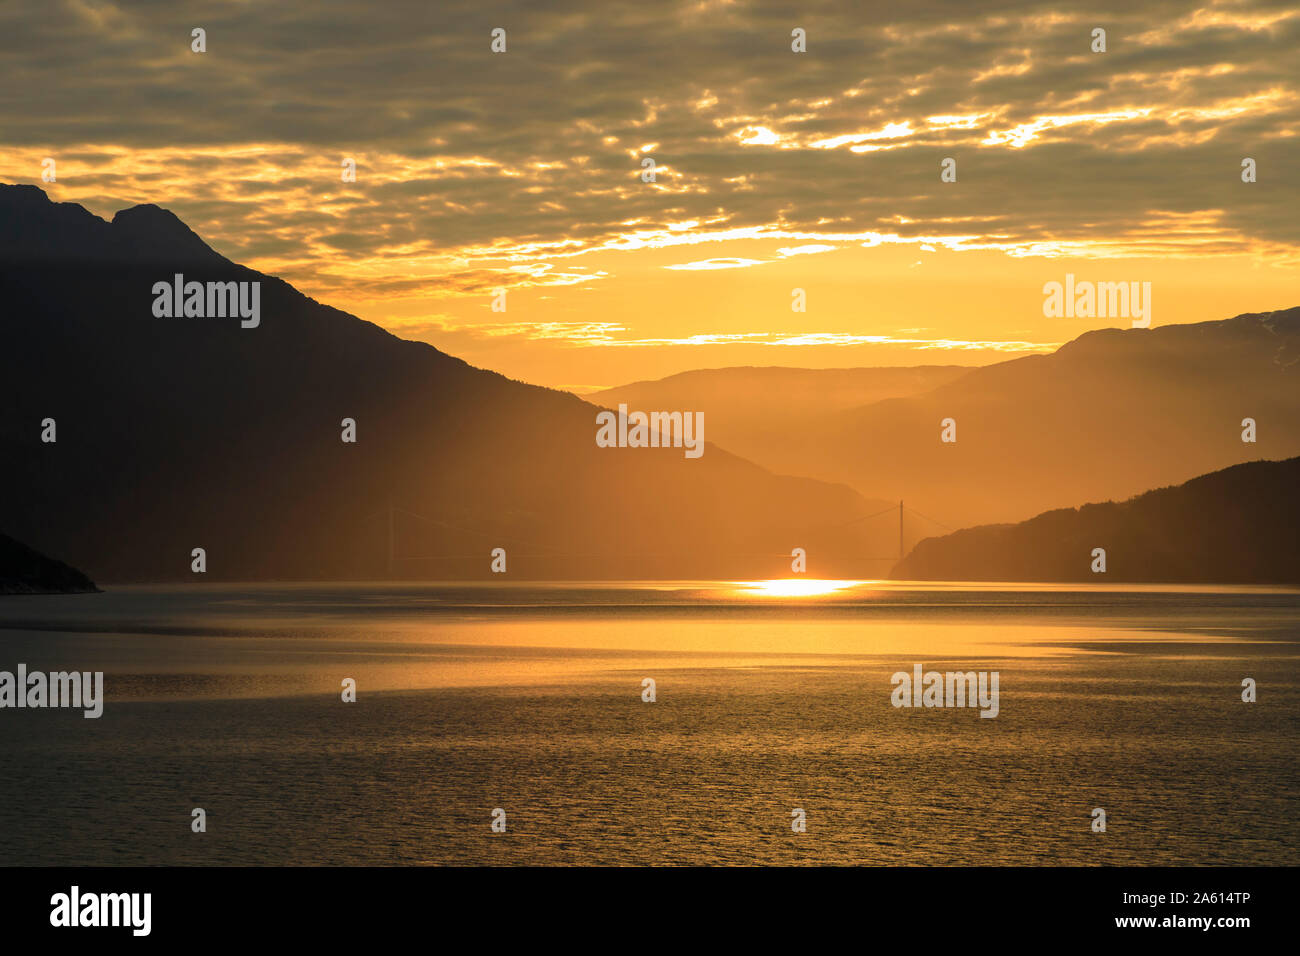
point(528, 698)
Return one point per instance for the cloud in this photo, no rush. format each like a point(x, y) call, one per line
point(614, 335)
point(811, 249)
point(723, 263)
point(475, 169)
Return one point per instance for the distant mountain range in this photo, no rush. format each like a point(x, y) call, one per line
point(753, 411)
point(1234, 526)
point(24, 571)
point(1111, 414)
point(177, 433)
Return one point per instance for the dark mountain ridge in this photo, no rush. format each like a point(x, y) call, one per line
point(24, 571)
point(1234, 526)
point(181, 433)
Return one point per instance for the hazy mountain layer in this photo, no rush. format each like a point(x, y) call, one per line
point(1109, 415)
point(756, 411)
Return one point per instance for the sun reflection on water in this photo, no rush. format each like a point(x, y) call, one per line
point(793, 587)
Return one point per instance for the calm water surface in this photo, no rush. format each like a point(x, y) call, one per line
point(528, 698)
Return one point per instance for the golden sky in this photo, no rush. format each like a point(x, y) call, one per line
point(775, 170)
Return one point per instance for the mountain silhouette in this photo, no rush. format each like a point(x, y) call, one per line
point(179, 433)
point(24, 571)
point(1234, 526)
point(1106, 416)
point(758, 411)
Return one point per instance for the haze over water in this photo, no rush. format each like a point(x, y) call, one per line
point(770, 696)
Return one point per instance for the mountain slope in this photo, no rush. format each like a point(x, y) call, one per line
point(24, 571)
point(1106, 416)
point(183, 433)
point(1233, 526)
point(757, 412)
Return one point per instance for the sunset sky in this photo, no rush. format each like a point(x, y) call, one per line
point(775, 169)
